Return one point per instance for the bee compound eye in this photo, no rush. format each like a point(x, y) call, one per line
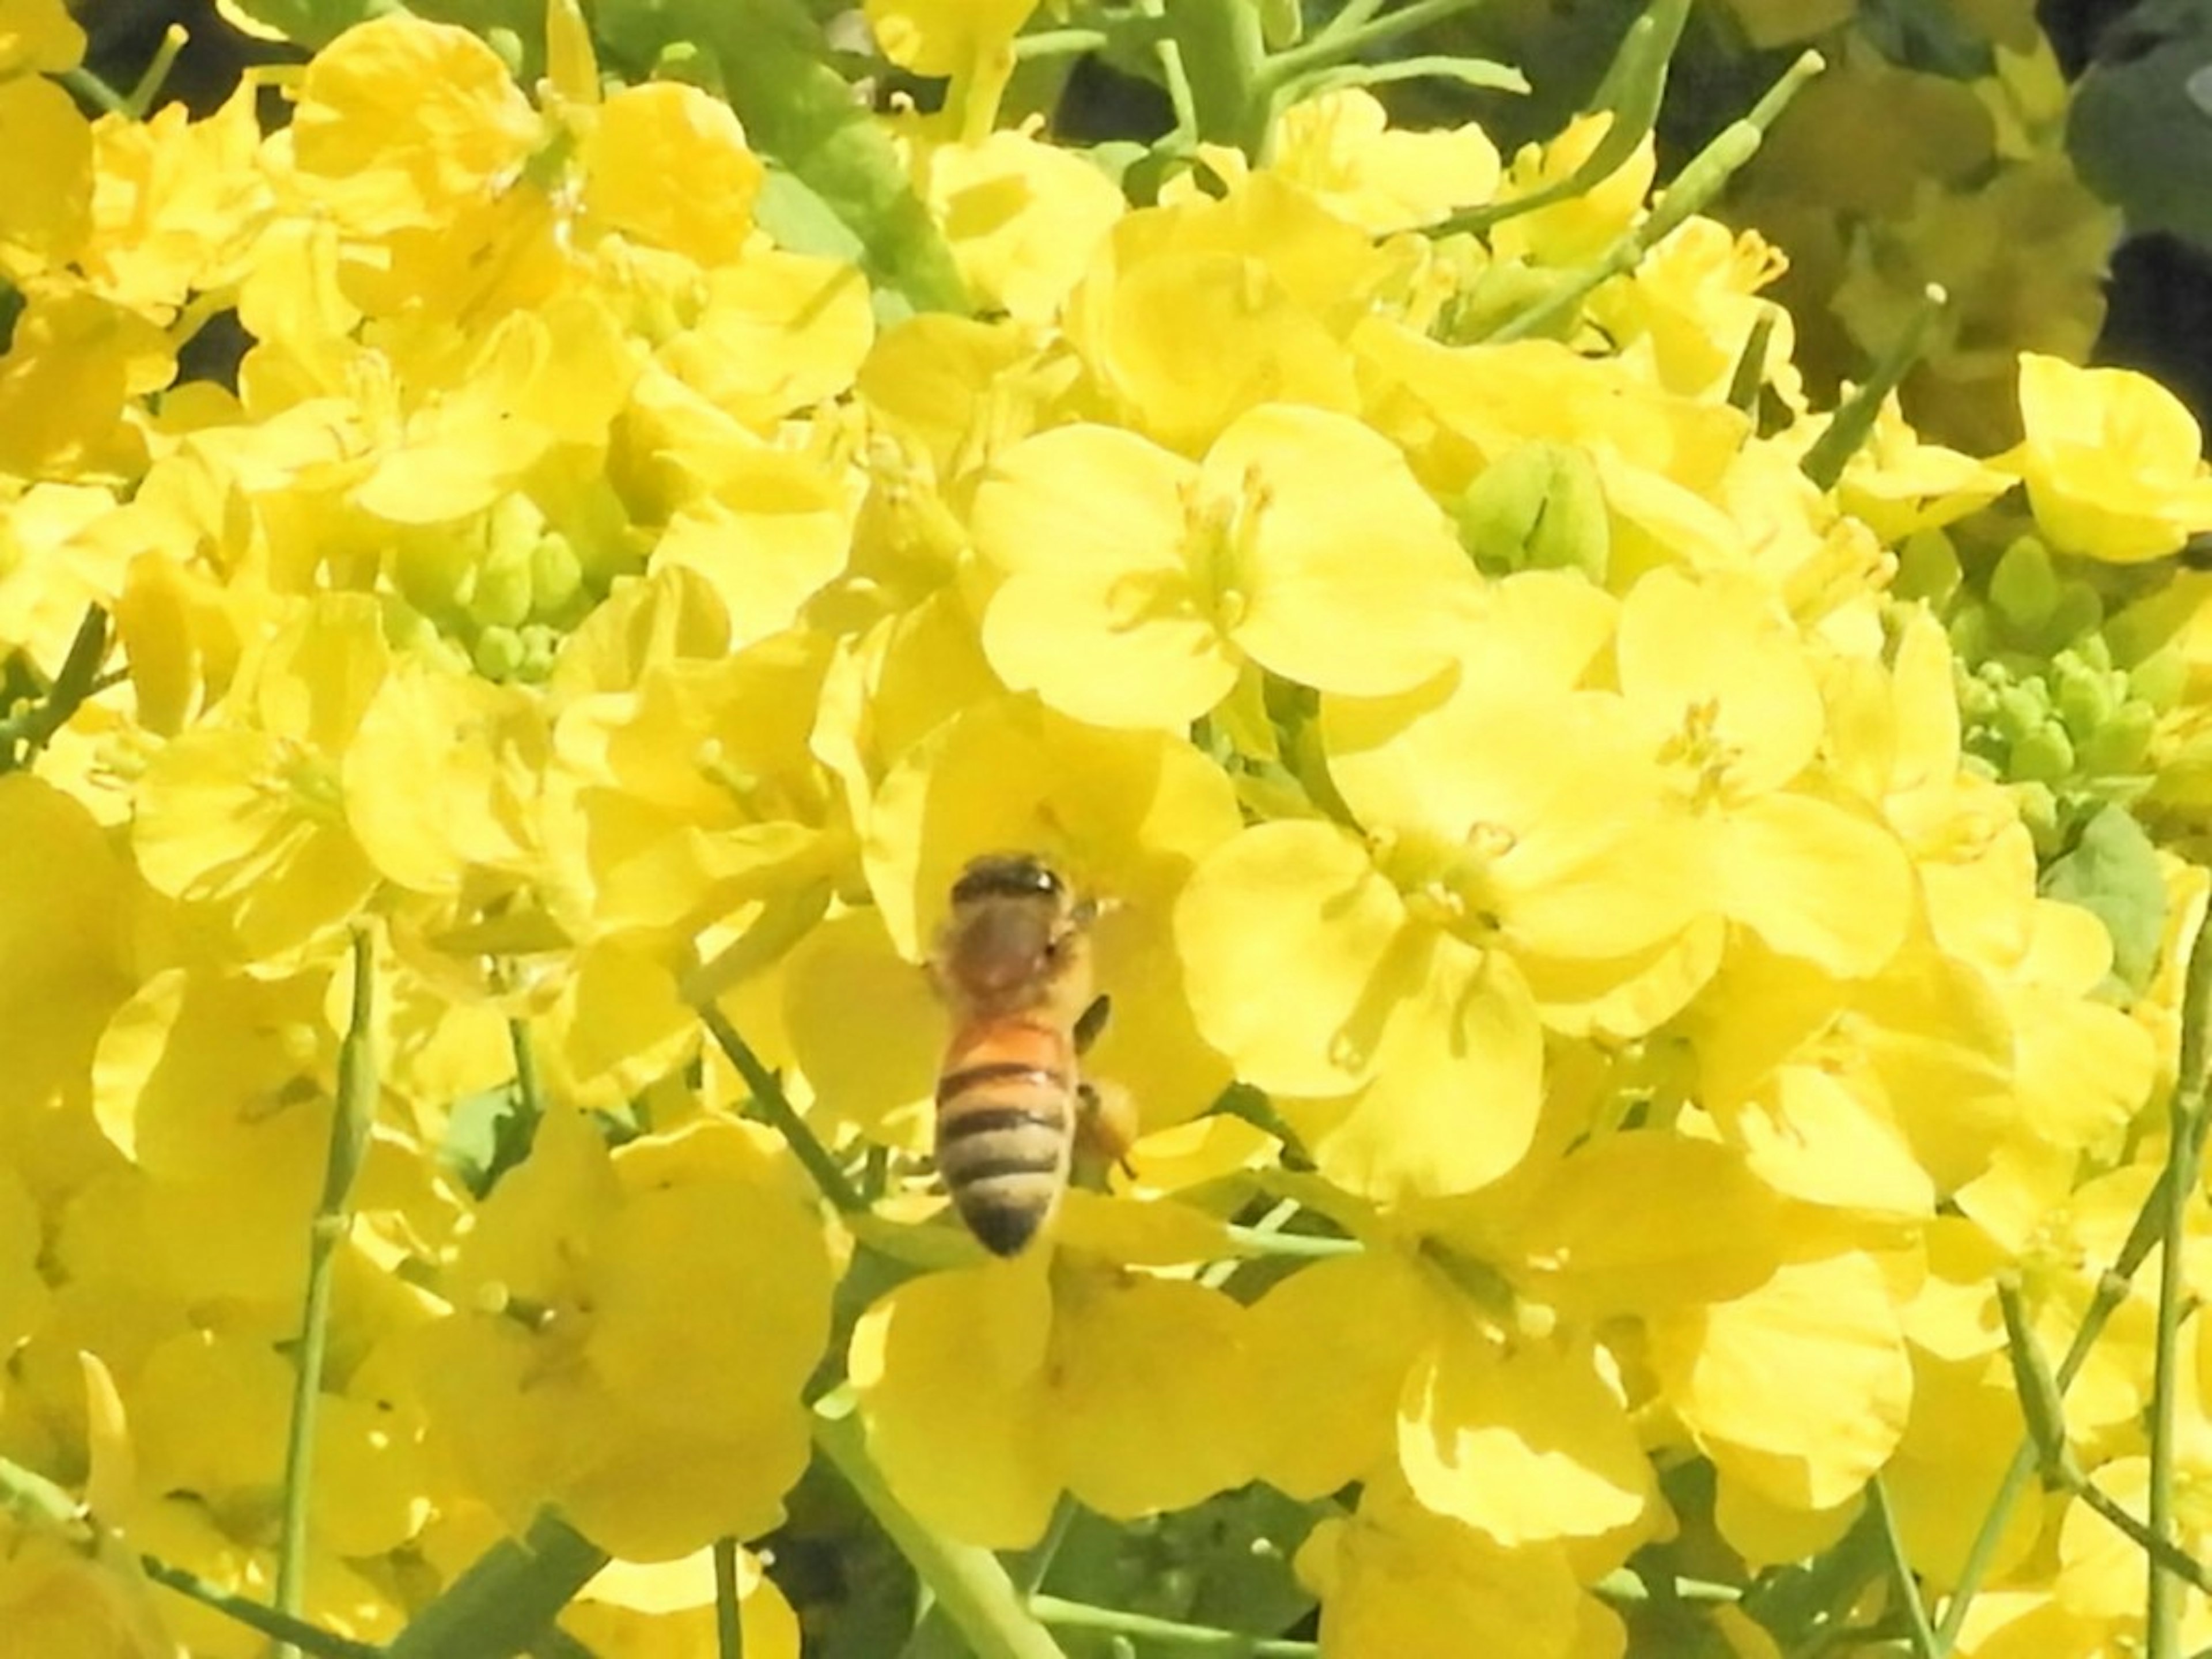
point(1006, 875)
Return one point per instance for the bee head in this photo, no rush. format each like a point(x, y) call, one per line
point(1014, 936)
point(1009, 876)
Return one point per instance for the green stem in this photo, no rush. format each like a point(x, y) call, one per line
point(24, 735)
point(1335, 46)
point(1696, 186)
point(2184, 1155)
point(2162, 1551)
point(38, 1502)
point(2113, 1286)
point(1349, 17)
point(729, 1620)
point(1478, 72)
point(1256, 1241)
point(1854, 417)
point(1059, 43)
point(1634, 83)
point(1030, 1572)
point(1270, 1226)
point(1622, 1588)
point(295, 1634)
point(143, 96)
point(1750, 377)
point(775, 1108)
point(505, 1601)
point(1900, 1572)
point(970, 1584)
point(353, 1113)
point(1167, 1632)
point(96, 92)
point(529, 1086)
point(1224, 56)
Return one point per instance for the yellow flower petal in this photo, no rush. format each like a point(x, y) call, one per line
point(1800, 1388)
point(1524, 1443)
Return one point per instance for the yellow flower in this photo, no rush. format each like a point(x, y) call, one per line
point(1690, 311)
point(1800, 1388)
point(667, 1610)
point(1722, 684)
point(38, 37)
point(1340, 147)
point(577, 1369)
point(178, 207)
point(988, 1391)
point(2111, 460)
point(667, 164)
point(969, 41)
point(247, 818)
point(1966, 1425)
point(476, 753)
point(1137, 584)
point(46, 176)
point(682, 787)
point(1193, 312)
point(1518, 851)
point(1396, 1578)
point(73, 368)
point(401, 122)
point(942, 37)
point(208, 1416)
point(64, 958)
point(776, 528)
point(1579, 229)
point(1898, 484)
point(1022, 217)
point(770, 336)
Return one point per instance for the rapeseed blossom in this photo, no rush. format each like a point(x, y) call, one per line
point(1604, 1058)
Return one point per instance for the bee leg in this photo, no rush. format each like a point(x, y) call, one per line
point(1091, 1021)
point(1105, 1124)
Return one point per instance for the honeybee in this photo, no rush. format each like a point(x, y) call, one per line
point(1012, 964)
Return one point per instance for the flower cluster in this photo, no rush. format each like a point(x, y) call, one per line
point(1597, 1034)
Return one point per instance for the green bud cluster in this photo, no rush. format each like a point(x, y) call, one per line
point(500, 592)
point(2046, 702)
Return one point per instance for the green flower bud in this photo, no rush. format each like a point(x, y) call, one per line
point(557, 576)
point(1928, 568)
point(499, 654)
point(2038, 811)
point(2024, 587)
point(2121, 745)
point(2023, 710)
point(502, 597)
point(2044, 756)
point(2079, 613)
point(2085, 699)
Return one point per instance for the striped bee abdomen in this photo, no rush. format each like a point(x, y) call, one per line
point(1006, 1121)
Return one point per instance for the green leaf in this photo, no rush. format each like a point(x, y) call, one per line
point(2138, 131)
point(799, 111)
point(2112, 871)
